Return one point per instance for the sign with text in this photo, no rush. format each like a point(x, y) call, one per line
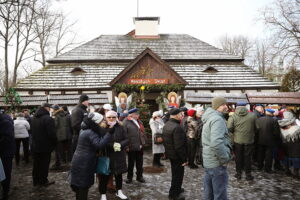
point(148, 81)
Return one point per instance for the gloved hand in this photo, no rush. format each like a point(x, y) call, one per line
point(117, 146)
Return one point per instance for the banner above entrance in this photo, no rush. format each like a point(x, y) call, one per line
point(148, 81)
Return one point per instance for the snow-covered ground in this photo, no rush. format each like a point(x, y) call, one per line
point(263, 187)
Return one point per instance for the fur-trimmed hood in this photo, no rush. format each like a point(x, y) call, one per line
point(56, 112)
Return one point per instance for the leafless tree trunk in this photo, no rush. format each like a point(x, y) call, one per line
point(25, 35)
point(55, 34)
point(7, 18)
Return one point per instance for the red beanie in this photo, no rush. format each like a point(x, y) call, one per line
point(191, 112)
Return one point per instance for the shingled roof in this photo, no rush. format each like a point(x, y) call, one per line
point(125, 47)
point(227, 75)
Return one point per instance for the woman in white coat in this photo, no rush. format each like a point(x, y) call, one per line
point(156, 125)
point(22, 127)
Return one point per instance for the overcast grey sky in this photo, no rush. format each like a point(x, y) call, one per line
point(203, 19)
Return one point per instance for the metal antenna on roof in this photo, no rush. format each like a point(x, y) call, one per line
point(137, 8)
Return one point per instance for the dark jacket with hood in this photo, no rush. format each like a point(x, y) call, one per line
point(78, 113)
point(118, 164)
point(83, 167)
point(268, 131)
point(61, 125)
point(43, 132)
point(175, 140)
point(242, 125)
point(7, 139)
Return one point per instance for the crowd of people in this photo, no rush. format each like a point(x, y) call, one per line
point(110, 144)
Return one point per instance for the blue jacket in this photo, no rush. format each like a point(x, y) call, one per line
point(84, 162)
point(215, 139)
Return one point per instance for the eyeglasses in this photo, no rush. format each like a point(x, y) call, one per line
point(111, 117)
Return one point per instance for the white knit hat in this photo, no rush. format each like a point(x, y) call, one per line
point(107, 106)
point(95, 117)
point(157, 114)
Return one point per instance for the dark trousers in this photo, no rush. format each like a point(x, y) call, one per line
point(265, 157)
point(156, 159)
point(135, 157)
point(104, 180)
point(40, 168)
point(74, 144)
point(192, 144)
point(62, 152)
point(243, 155)
point(7, 165)
point(81, 193)
point(25, 143)
point(177, 178)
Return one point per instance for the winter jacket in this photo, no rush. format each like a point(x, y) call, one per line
point(7, 139)
point(258, 114)
point(118, 164)
point(242, 125)
point(291, 141)
point(175, 141)
point(78, 113)
point(21, 127)
point(136, 137)
point(61, 125)
point(84, 162)
point(268, 131)
point(43, 132)
point(69, 126)
point(156, 127)
point(215, 139)
point(192, 125)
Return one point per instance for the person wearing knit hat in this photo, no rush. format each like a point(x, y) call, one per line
point(218, 102)
point(92, 139)
point(216, 149)
point(290, 134)
point(83, 98)
point(268, 140)
point(107, 107)
point(116, 151)
point(192, 136)
point(77, 115)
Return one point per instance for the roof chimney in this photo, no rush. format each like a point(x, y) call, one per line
point(146, 27)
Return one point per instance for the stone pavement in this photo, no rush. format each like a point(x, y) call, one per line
point(264, 187)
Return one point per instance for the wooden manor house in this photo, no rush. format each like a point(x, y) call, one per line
point(142, 56)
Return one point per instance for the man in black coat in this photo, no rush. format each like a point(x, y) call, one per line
point(78, 113)
point(268, 139)
point(176, 150)
point(7, 150)
point(43, 143)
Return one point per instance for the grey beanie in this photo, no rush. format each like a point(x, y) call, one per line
point(217, 102)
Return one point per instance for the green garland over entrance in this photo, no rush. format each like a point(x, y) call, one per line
point(148, 87)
